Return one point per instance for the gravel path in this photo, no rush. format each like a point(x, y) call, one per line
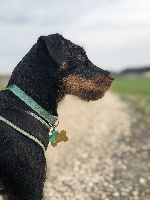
point(104, 159)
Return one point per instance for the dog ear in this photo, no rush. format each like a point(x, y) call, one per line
point(54, 46)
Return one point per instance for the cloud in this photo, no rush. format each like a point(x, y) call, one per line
point(114, 32)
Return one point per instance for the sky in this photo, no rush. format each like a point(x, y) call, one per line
point(114, 33)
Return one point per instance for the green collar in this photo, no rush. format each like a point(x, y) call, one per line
point(33, 104)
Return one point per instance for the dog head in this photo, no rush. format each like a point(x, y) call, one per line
point(79, 76)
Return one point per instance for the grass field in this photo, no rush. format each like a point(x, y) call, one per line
point(1, 87)
point(3, 81)
point(136, 91)
point(132, 86)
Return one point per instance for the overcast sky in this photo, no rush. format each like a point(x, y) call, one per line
point(114, 33)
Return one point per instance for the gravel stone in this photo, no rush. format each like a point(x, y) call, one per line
point(116, 194)
point(142, 181)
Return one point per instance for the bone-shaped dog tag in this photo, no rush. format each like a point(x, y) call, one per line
point(53, 136)
point(60, 137)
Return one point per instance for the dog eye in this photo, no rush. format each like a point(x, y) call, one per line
point(80, 57)
point(64, 65)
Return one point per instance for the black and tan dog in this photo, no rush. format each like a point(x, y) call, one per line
point(52, 68)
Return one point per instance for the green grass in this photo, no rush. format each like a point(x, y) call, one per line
point(3, 81)
point(132, 86)
point(2, 87)
point(137, 92)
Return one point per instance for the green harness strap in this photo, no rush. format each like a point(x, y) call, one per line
point(22, 132)
point(39, 119)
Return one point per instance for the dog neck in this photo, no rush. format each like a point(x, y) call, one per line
point(35, 75)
